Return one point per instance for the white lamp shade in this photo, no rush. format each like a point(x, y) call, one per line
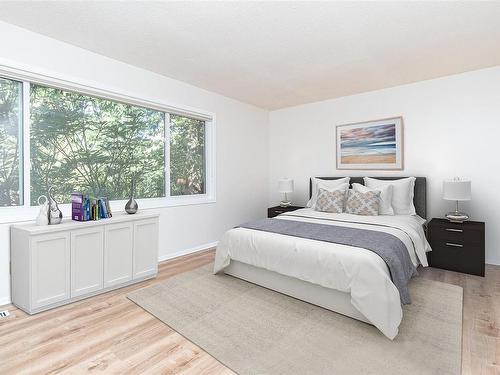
point(285, 185)
point(457, 190)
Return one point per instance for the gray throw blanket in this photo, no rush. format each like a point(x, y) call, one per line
point(390, 248)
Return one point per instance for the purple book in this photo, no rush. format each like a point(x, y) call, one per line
point(77, 210)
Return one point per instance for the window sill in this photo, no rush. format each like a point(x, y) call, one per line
point(11, 215)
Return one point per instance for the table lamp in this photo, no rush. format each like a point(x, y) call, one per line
point(457, 190)
point(285, 185)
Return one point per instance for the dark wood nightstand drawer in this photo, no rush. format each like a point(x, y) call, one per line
point(461, 236)
point(457, 233)
point(278, 210)
point(457, 257)
point(441, 243)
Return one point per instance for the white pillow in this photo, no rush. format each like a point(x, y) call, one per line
point(325, 184)
point(402, 193)
point(385, 204)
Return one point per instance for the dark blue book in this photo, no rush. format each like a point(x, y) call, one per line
point(102, 206)
point(87, 208)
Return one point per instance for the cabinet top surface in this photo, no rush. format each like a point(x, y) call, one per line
point(445, 222)
point(285, 208)
point(68, 224)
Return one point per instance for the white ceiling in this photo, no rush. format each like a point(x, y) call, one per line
point(277, 54)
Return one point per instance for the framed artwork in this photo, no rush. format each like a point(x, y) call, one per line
point(374, 144)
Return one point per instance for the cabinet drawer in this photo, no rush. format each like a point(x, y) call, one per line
point(443, 243)
point(457, 256)
point(457, 235)
point(279, 212)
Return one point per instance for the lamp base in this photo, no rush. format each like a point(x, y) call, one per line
point(457, 217)
point(285, 203)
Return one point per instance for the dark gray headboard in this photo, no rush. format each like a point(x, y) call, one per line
point(419, 196)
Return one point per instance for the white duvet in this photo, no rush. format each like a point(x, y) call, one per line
point(349, 269)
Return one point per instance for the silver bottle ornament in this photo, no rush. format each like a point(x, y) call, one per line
point(131, 207)
point(54, 213)
point(43, 215)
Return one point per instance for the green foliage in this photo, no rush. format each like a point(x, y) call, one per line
point(10, 124)
point(187, 156)
point(95, 146)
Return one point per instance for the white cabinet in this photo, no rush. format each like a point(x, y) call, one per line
point(86, 260)
point(145, 248)
point(58, 264)
point(118, 253)
point(50, 269)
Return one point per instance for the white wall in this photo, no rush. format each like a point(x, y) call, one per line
point(451, 125)
point(241, 139)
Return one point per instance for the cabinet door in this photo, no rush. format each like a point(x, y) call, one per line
point(50, 269)
point(86, 260)
point(145, 248)
point(118, 254)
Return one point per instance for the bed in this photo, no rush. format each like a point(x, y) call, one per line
point(349, 280)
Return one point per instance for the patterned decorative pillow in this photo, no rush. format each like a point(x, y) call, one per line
point(330, 200)
point(363, 203)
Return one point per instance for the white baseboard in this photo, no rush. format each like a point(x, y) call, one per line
point(5, 301)
point(191, 250)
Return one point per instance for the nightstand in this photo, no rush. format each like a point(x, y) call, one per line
point(457, 246)
point(275, 211)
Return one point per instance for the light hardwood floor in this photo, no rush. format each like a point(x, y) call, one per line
point(481, 318)
point(108, 334)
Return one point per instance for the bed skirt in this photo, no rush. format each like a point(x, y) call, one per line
point(318, 295)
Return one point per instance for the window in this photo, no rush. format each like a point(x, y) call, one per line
point(91, 144)
point(11, 190)
point(187, 156)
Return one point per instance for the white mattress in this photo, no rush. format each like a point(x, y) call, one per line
point(349, 269)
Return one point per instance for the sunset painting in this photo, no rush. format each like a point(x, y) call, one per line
point(370, 145)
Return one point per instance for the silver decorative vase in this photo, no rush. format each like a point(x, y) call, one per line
point(131, 207)
point(54, 213)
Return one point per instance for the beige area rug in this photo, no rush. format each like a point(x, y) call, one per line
point(253, 330)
